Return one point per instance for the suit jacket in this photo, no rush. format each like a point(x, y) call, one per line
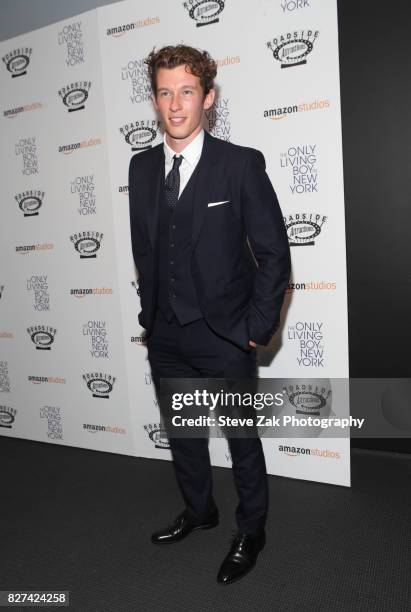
point(240, 289)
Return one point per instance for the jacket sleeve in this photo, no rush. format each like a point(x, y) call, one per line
point(136, 227)
point(269, 243)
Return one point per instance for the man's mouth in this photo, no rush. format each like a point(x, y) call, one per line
point(177, 120)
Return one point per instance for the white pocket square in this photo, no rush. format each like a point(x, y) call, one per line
point(217, 203)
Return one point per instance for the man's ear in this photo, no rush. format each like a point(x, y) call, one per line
point(209, 99)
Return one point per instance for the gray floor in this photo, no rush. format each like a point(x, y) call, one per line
point(80, 520)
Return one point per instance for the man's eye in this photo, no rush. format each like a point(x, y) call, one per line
point(188, 91)
point(164, 93)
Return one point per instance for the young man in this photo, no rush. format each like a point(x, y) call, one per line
point(212, 254)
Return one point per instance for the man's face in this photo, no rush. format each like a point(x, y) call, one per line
point(180, 102)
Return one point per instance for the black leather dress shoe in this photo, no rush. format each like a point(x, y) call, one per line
point(182, 527)
point(241, 558)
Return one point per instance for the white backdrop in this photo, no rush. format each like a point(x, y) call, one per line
point(75, 105)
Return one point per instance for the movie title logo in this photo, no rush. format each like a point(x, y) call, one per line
point(7, 416)
point(29, 248)
point(204, 12)
point(39, 285)
point(30, 202)
point(42, 336)
point(11, 113)
point(309, 336)
point(74, 96)
point(157, 435)
point(292, 49)
point(70, 148)
point(87, 243)
point(4, 377)
point(218, 117)
point(84, 186)
point(135, 72)
point(294, 5)
point(81, 293)
point(27, 148)
point(97, 333)
point(121, 30)
point(283, 112)
point(302, 162)
point(140, 135)
point(304, 228)
point(53, 415)
point(17, 61)
point(100, 385)
point(308, 399)
point(38, 380)
point(71, 37)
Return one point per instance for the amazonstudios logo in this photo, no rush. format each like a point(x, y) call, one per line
point(292, 49)
point(204, 12)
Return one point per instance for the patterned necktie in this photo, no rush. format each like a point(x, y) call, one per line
point(173, 182)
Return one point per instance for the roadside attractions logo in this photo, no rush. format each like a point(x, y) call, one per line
point(74, 96)
point(157, 435)
point(304, 228)
point(30, 202)
point(7, 416)
point(309, 399)
point(71, 36)
point(17, 61)
point(309, 336)
point(218, 117)
point(140, 135)
point(204, 12)
point(281, 112)
point(291, 49)
point(302, 162)
point(42, 336)
point(87, 243)
point(27, 148)
point(135, 72)
point(121, 30)
point(100, 385)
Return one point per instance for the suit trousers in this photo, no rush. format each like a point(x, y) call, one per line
point(196, 351)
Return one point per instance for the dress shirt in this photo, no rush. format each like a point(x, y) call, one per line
point(191, 155)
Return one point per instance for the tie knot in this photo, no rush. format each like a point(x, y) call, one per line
point(177, 161)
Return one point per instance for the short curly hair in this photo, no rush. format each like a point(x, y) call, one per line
point(199, 63)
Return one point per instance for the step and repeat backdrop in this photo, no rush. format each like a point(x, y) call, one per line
point(75, 106)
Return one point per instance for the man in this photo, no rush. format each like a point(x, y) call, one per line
point(212, 254)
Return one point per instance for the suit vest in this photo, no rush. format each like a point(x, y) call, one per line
point(176, 291)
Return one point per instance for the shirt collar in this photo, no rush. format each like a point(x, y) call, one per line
point(191, 153)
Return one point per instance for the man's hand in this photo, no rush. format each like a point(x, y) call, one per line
point(252, 343)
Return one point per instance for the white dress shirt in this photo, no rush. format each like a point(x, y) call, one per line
point(191, 155)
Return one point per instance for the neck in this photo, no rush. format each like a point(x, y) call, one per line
point(179, 144)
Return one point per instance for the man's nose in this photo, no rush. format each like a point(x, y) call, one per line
point(175, 102)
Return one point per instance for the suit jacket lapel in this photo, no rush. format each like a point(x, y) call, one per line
point(156, 182)
point(204, 186)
